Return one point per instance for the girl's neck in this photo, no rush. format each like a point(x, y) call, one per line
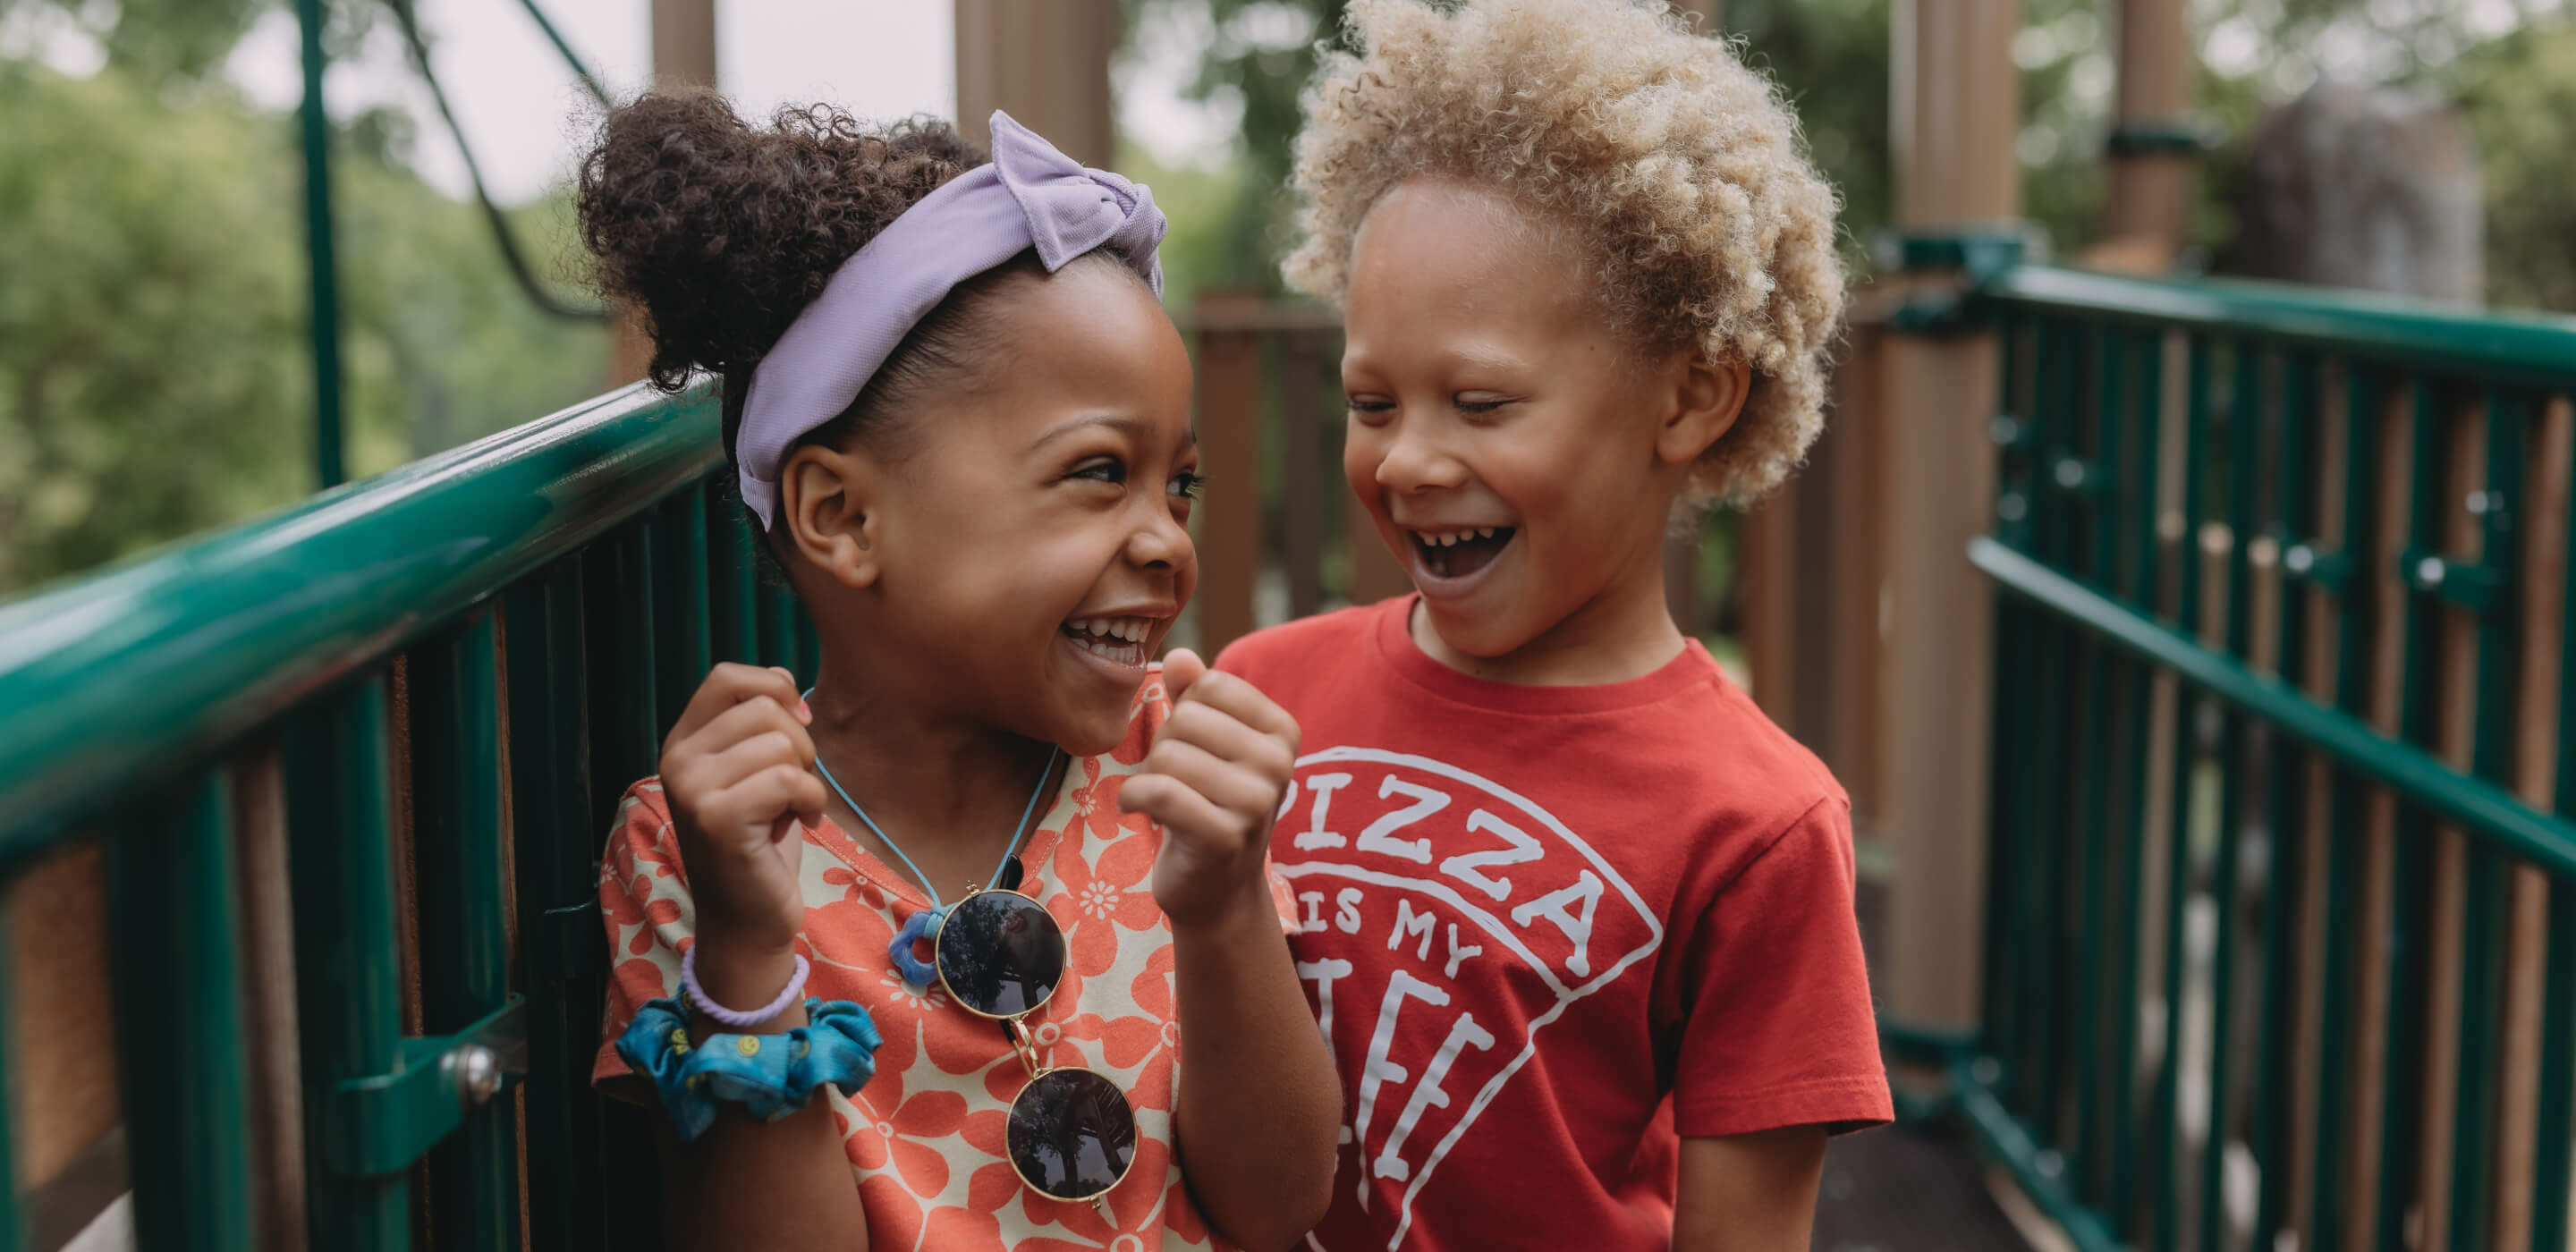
point(920, 772)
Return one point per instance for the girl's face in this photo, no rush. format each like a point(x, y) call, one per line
point(1015, 550)
point(1516, 452)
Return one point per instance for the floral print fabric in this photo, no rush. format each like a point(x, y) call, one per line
point(924, 1136)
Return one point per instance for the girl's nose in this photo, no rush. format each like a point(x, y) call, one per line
point(1160, 540)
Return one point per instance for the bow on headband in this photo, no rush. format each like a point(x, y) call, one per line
point(1030, 196)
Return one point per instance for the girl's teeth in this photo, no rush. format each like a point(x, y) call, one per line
point(1484, 532)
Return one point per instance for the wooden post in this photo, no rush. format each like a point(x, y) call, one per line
point(2151, 163)
point(1958, 103)
point(1046, 63)
point(684, 55)
point(1228, 326)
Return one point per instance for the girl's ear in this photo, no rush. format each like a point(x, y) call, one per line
point(826, 499)
point(1707, 398)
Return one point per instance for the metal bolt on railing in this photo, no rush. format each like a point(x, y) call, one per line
point(476, 1071)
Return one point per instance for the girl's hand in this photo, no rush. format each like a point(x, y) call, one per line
point(737, 773)
point(1213, 779)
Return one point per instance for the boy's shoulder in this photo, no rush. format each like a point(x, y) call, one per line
point(1273, 651)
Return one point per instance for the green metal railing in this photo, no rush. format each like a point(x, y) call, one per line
point(431, 687)
point(2281, 915)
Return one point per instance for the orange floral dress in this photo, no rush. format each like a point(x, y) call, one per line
point(924, 1136)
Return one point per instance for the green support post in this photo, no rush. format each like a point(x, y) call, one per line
point(348, 990)
point(2243, 445)
point(176, 919)
point(555, 835)
point(462, 885)
point(2488, 889)
point(2284, 779)
point(2186, 621)
point(321, 253)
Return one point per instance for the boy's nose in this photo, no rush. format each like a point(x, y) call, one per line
point(1413, 463)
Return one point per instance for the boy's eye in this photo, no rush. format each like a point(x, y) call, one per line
point(1476, 403)
point(1187, 484)
point(1104, 470)
point(1367, 408)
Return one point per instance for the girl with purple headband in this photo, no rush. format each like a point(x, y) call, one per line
point(906, 959)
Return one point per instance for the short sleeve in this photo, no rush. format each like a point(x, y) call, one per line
point(644, 904)
point(1777, 1025)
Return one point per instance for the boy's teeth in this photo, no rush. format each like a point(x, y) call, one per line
point(1484, 532)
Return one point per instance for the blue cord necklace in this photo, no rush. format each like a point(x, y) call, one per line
point(926, 922)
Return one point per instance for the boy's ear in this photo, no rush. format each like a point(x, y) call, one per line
point(1707, 398)
point(826, 500)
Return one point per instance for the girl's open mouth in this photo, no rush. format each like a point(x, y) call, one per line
point(1118, 640)
point(1458, 553)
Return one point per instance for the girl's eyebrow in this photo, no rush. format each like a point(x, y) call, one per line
point(1133, 428)
point(1120, 422)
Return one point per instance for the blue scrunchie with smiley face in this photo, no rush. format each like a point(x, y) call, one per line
point(770, 1076)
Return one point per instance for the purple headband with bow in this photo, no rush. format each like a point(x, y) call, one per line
point(1031, 195)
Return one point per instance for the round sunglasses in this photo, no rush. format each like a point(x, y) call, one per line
point(1072, 1132)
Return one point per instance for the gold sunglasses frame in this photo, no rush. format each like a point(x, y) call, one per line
point(1024, 1045)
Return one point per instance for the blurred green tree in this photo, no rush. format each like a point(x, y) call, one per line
point(153, 375)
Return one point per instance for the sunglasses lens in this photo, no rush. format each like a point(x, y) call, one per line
point(1072, 1134)
point(1001, 954)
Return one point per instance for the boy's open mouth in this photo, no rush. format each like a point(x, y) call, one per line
point(1457, 553)
point(1118, 640)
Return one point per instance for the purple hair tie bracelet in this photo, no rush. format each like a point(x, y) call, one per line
point(730, 1017)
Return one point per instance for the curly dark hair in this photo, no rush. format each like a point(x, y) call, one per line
point(721, 234)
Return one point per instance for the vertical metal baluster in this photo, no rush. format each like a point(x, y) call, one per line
point(2092, 813)
point(809, 650)
point(2409, 914)
point(2489, 903)
point(2243, 442)
point(2286, 785)
point(626, 736)
point(2008, 838)
point(175, 915)
point(2556, 1154)
point(778, 613)
point(2043, 893)
point(619, 646)
point(464, 932)
point(733, 604)
point(2139, 588)
point(553, 835)
point(2354, 611)
point(348, 1000)
point(680, 592)
point(2168, 1163)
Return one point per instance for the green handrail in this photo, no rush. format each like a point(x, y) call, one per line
point(119, 679)
point(2537, 349)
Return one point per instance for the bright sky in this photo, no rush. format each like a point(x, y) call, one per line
point(522, 109)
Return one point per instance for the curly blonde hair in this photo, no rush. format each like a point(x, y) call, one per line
point(1682, 170)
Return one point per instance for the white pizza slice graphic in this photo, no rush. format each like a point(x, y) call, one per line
point(1450, 873)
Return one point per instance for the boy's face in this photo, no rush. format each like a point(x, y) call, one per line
point(1507, 440)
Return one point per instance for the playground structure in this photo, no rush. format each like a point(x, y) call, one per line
point(2196, 654)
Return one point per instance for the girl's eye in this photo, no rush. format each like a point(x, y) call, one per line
point(1479, 404)
point(1370, 410)
point(1188, 484)
point(1107, 471)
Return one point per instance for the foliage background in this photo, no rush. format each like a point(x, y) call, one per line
point(152, 370)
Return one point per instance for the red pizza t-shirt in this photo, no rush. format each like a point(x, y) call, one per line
point(1548, 930)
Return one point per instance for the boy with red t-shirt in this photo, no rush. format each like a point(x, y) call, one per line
point(1576, 918)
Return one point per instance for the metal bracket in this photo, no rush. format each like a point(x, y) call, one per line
point(383, 1123)
point(2170, 137)
point(2303, 561)
point(2466, 584)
